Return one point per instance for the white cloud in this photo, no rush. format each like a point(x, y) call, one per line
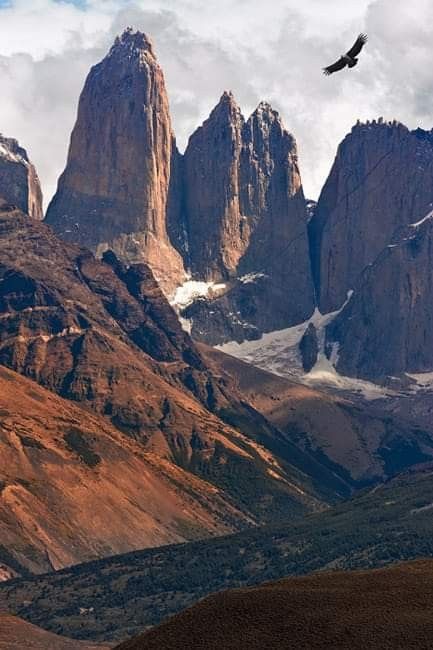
point(277, 53)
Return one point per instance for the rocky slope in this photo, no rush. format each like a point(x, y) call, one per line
point(389, 608)
point(362, 442)
point(381, 180)
point(246, 220)
point(119, 184)
point(105, 337)
point(19, 182)
point(60, 465)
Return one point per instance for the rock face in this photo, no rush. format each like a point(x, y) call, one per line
point(386, 329)
point(19, 183)
point(381, 180)
point(246, 220)
point(117, 188)
point(232, 207)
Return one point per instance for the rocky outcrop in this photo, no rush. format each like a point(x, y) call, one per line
point(309, 348)
point(246, 220)
point(19, 182)
point(381, 180)
point(117, 188)
point(386, 329)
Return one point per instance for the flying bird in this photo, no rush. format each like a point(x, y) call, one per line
point(348, 59)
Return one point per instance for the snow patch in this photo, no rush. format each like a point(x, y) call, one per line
point(5, 152)
point(278, 352)
point(193, 289)
point(252, 277)
point(419, 223)
point(423, 381)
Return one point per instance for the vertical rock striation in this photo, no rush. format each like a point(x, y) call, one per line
point(19, 182)
point(381, 180)
point(247, 223)
point(116, 188)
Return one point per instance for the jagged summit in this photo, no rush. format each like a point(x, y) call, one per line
point(379, 122)
point(131, 41)
point(265, 107)
point(227, 106)
point(19, 182)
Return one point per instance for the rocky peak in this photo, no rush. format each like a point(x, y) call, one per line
point(132, 43)
point(385, 330)
point(118, 183)
point(244, 206)
point(19, 182)
point(381, 180)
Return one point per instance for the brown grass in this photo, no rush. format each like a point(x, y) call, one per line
point(390, 609)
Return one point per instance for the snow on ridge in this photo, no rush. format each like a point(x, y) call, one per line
point(421, 221)
point(6, 153)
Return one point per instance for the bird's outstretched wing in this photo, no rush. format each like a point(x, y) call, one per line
point(335, 67)
point(357, 47)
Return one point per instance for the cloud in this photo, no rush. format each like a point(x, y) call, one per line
point(47, 47)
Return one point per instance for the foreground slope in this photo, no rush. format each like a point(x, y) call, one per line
point(131, 592)
point(16, 634)
point(382, 609)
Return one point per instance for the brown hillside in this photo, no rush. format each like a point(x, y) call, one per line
point(16, 634)
point(73, 488)
point(386, 609)
point(361, 440)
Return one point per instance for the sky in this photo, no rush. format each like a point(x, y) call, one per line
point(270, 50)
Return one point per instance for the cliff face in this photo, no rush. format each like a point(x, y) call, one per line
point(381, 180)
point(19, 183)
point(117, 185)
point(386, 328)
point(247, 224)
point(232, 206)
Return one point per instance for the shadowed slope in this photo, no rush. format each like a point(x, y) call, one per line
point(388, 609)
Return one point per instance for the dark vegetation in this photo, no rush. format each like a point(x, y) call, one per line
point(131, 592)
point(383, 609)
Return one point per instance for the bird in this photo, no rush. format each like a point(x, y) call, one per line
point(349, 59)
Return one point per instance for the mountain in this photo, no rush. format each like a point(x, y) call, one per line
point(389, 608)
point(370, 240)
point(19, 182)
point(132, 592)
point(231, 211)
point(246, 221)
point(119, 183)
point(104, 336)
point(16, 634)
point(385, 329)
point(380, 181)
